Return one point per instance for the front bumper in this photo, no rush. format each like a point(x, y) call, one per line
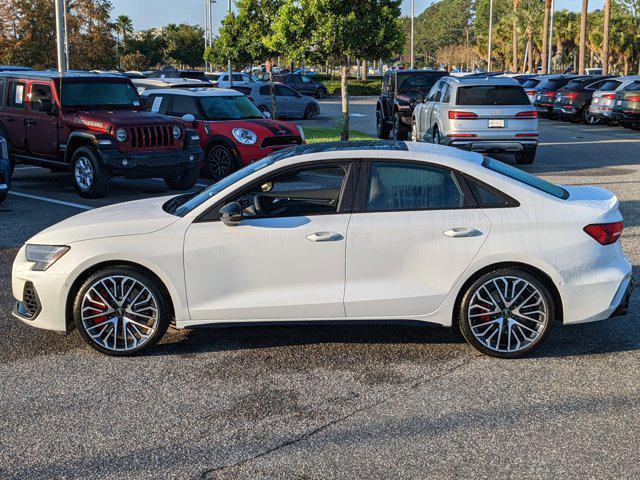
point(492, 146)
point(150, 164)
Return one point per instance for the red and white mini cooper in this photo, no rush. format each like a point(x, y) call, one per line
point(232, 130)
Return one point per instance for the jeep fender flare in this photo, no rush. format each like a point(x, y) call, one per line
point(87, 139)
point(222, 140)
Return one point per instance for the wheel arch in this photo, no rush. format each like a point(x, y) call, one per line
point(530, 269)
point(81, 139)
point(222, 140)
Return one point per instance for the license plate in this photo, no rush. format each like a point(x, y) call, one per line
point(619, 102)
point(559, 99)
point(539, 97)
point(496, 123)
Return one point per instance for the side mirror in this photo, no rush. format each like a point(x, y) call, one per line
point(45, 105)
point(266, 114)
point(231, 214)
point(188, 118)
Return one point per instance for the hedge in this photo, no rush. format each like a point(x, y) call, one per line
point(356, 87)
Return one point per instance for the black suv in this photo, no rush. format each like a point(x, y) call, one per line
point(573, 100)
point(401, 91)
point(304, 84)
point(544, 97)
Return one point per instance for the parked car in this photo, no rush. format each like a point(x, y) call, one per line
point(604, 98)
point(238, 79)
point(95, 126)
point(290, 104)
point(145, 84)
point(545, 95)
point(15, 68)
point(304, 85)
point(626, 109)
point(401, 91)
point(233, 132)
point(6, 170)
point(175, 73)
point(490, 114)
point(574, 99)
point(530, 85)
point(276, 242)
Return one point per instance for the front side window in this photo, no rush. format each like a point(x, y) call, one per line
point(433, 92)
point(492, 95)
point(300, 192)
point(2, 90)
point(229, 108)
point(524, 177)
point(283, 91)
point(265, 91)
point(403, 187)
point(98, 94)
point(305, 79)
point(238, 78)
point(634, 87)
point(40, 92)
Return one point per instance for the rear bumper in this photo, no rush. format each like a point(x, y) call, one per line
point(492, 146)
point(567, 110)
point(623, 298)
point(151, 164)
point(622, 116)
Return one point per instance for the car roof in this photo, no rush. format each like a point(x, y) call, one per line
point(170, 81)
point(54, 74)
point(196, 92)
point(417, 71)
point(468, 81)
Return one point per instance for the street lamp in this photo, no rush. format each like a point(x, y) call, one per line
point(553, 6)
point(61, 38)
point(413, 16)
point(229, 62)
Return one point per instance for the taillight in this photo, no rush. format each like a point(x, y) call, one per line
point(550, 94)
point(605, 233)
point(571, 95)
point(609, 96)
point(527, 115)
point(633, 98)
point(453, 115)
point(530, 92)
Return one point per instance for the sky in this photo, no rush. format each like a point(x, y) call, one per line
point(154, 13)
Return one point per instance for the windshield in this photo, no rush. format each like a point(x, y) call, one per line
point(526, 178)
point(229, 108)
point(99, 94)
point(422, 83)
point(492, 95)
point(183, 204)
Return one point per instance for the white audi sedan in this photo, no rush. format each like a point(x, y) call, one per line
point(328, 233)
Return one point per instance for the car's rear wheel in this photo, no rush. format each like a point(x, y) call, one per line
point(310, 112)
point(220, 162)
point(91, 179)
point(526, 157)
point(121, 311)
point(398, 131)
point(587, 118)
point(414, 131)
point(185, 180)
point(382, 127)
point(437, 137)
point(506, 313)
point(321, 93)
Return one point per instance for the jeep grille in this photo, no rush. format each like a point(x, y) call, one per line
point(152, 137)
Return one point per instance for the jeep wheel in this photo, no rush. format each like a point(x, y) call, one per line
point(399, 131)
point(90, 177)
point(382, 128)
point(220, 162)
point(186, 180)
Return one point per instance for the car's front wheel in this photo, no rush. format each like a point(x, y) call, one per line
point(91, 179)
point(382, 127)
point(220, 162)
point(399, 131)
point(506, 313)
point(121, 311)
point(185, 180)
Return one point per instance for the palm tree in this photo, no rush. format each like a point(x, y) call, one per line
point(605, 39)
point(123, 26)
point(516, 4)
point(528, 20)
point(583, 37)
point(545, 35)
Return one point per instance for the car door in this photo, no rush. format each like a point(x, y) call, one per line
point(439, 106)
point(15, 114)
point(41, 127)
point(425, 113)
point(307, 86)
point(412, 234)
point(288, 101)
point(285, 260)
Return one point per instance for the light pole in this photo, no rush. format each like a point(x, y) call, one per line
point(413, 16)
point(490, 35)
point(553, 6)
point(61, 39)
point(206, 31)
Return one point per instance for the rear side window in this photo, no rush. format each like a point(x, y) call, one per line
point(634, 87)
point(574, 84)
point(3, 84)
point(265, 91)
point(16, 95)
point(245, 90)
point(524, 177)
point(485, 197)
point(492, 95)
point(610, 85)
point(403, 187)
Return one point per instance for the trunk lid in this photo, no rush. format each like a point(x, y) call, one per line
point(602, 203)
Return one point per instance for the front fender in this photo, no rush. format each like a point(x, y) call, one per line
point(100, 141)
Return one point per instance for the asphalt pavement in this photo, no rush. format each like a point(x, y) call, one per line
point(324, 402)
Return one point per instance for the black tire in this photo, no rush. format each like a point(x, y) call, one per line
point(635, 126)
point(86, 164)
point(505, 312)
point(220, 162)
point(589, 119)
point(3, 196)
point(310, 111)
point(399, 130)
point(382, 128)
point(436, 137)
point(155, 289)
point(5, 137)
point(185, 180)
point(526, 157)
point(321, 93)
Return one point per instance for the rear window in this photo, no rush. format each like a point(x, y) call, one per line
point(574, 84)
point(526, 178)
point(552, 83)
point(610, 85)
point(492, 95)
point(531, 83)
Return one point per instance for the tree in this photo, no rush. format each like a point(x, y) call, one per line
point(123, 26)
point(516, 4)
point(338, 31)
point(149, 43)
point(528, 19)
point(583, 37)
point(134, 61)
point(184, 45)
point(545, 36)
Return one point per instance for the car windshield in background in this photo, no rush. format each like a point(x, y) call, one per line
point(524, 177)
point(422, 83)
point(97, 95)
point(492, 95)
point(229, 108)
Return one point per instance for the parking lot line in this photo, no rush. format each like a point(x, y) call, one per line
point(588, 142)
point(50, 200)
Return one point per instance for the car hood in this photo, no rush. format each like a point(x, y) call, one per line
point(123, 219)
point(102, 119)
point(262, 127)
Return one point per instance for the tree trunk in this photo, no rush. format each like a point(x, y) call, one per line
point(545, 36)
point(592, 54)
point(583, 37)
point(344, 132)
point(515, 35)
point(605, 38)
point(272, 91)
point(626, 65)
point(365, 68)
point(530, 48)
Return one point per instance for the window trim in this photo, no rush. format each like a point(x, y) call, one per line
point(345, 201)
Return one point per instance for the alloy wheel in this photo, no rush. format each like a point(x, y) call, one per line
point(83, 173)
point(219, 162)
point(310, 112)
point(414, 132)
point(507, 314)
point(119, 313)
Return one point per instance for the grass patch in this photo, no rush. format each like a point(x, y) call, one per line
point(324, 134)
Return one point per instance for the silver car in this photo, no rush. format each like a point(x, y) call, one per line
point(603, 99)
point(289, 102)
point(482, 114)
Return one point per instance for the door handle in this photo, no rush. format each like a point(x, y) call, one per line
point(462, 232)
point(30, 121)
point(324, 237)
point(9, 119)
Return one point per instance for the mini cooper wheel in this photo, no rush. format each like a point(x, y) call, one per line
point(121, 311)
point(220, 162)
point(506, 313)
point(91, 179)
point(310, 112)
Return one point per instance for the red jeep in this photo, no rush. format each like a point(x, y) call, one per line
point(234, 132)
point(95, 126)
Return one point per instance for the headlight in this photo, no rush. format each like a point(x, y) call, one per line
point(121, 135)
point(302, 135)
point(177, 132)
point(44, 255)
point(244, 136)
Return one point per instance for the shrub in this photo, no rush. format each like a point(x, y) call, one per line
point(356, 87)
